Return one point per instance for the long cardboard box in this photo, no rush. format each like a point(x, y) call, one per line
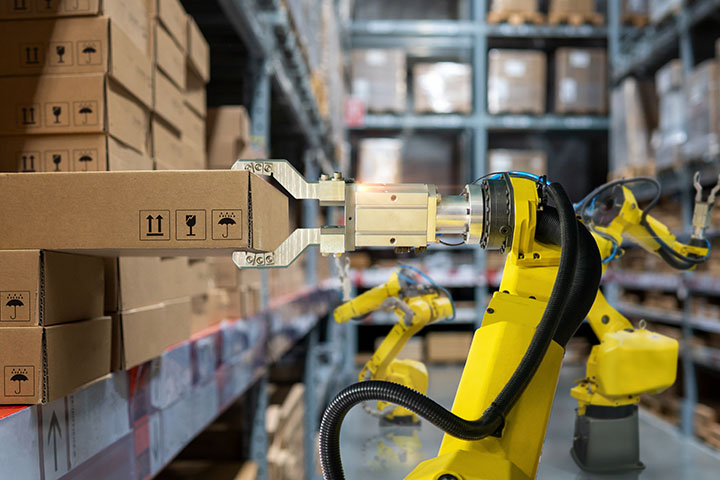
point(212, 212)
point(92, 103)
point(228, 133)
point(532, 161)
point(167, 146)
point(69, 153)
point(168, 101)
point(198, 51)
point(75, 46)
point(442, 87)
point(39, 288)
point(169, 57)
point(41, 364)
point(516, 81)
point(144, 333)
point(171, 15)
point(581, 80)
point(130, 15)
point(195, 93)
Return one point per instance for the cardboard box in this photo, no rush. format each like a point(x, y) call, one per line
point(514, 6)
point(167, 146)
point(144, 333)
point(572, 6)
point(168, 101)
point(171, 15)
point(581, 80)
point(702, 103)
point(169, 57)
point(380, 160)
point(135, 282)
point(669, 82)
point(143, 213)
point(69, 153)
point(531, 161)
point(447, 347)
point(39, 288)
point(53, 104)
point(75, 46)
point(195, 93)
point(379, 79)
point(193, 129)
point(516, 81)
point(194, 156)
point(130, 15)
point(41, 364)
point(198, 51)
point(228, 134)
point(442, 87)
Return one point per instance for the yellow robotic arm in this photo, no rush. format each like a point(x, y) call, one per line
point(415, 306)
point(628, 362)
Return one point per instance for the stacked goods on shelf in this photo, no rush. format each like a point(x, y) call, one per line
point(54, 337)
point(179, 51)
point(332, 65)
point(531, 161)
point(574, 12)
point(447, 347)
point(442, 87)
point(380, 160)
point(635, 12)
point(516, 81)
point(286, 431)
point(706, 424)
point(228, 136)
point(662, 9)
point(77, 88)
point(702, 101)
point(515, 12)
point(581, 80)
point(379, 79)
point(234, 293)
point(671, 116)
point(633, 119)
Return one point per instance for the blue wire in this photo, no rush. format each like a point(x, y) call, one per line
point(519, 173)
point(433, 283)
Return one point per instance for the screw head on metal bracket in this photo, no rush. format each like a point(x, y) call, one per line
point(324, 177)
point(248, 166)
point(250, 259)
point(269, 259)
point(260, 260)
point(258, 167)
point(268, 168)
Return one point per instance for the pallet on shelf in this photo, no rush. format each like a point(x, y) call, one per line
point(516, 17)
point(576, 19)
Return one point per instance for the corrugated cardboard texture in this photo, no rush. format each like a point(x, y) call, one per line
point(42, 364)
point(168, 101)
point(531, 161)
point(195, 94)
point(516, 81)
point(169, 57)
point(442, 87)
point(142, 213)
point(72, 46)
point(194, 156)
point(198, 50)
point(69, 153)
point(228, 133)
point(572, 6)
point(49, 288)
point(379, 79)
point(53, 104)
point(142, 334)
point(581, 80)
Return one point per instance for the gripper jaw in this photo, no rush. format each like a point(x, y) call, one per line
point(328, 191)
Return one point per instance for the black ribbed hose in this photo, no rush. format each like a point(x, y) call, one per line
point(492, 420)
point(588, 273)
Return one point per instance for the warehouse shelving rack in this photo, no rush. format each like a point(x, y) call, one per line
point(470, 39)
point(641, 52)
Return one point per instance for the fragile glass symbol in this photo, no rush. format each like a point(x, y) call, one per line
point(57, 111)
point(191, 221)
point(227, 221)
point(60, 50)
point(14, 302)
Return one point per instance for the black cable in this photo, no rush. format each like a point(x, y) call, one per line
point(492, 420)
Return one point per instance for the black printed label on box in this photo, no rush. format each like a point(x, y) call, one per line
point(19, 381)
point(15, 306)
point(227, 225)
point(154, 225)
point(190, 225)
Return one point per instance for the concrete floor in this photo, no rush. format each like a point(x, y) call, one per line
point(374, 452)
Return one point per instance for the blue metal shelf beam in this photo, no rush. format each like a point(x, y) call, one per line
point(491, 122)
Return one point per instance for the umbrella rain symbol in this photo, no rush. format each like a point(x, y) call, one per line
point(89, 50)
point(18, 377)
point(85, 111)
point(227, 221)
point(86, 159)
point(14, 302)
